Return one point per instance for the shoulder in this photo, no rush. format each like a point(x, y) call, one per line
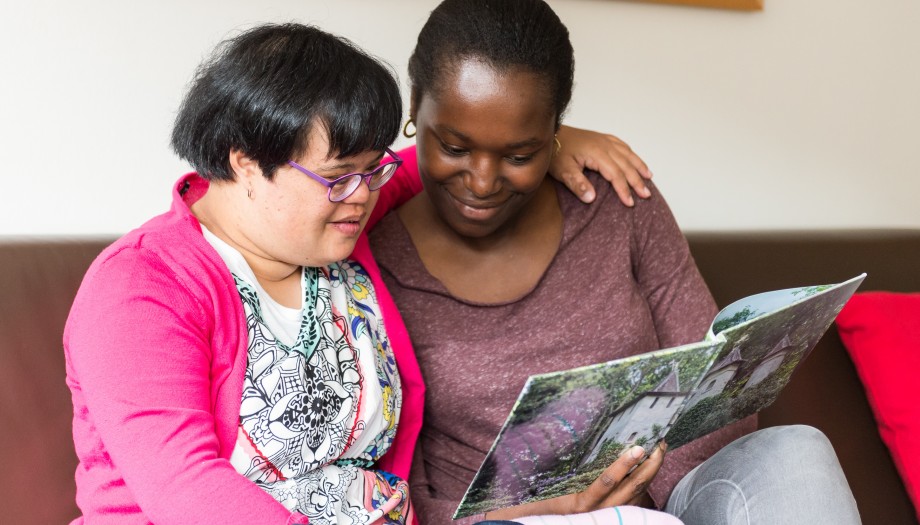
point(162, 260)
point(609, 222)
point(390, 242)
point(606, 194)
point(607, 203)
point(606, 212)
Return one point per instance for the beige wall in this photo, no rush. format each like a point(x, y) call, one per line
point(805, 115)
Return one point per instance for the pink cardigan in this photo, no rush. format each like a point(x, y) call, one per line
point(155, 351)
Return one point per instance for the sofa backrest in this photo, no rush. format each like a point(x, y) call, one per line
point(825, 391)
point(39, 278)
point(38, 281)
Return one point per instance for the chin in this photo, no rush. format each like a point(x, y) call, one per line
point(472, 230)
point(327, 257)
point(342, 254)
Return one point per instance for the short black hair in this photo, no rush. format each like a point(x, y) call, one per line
point(264, 90)
point(505, 34)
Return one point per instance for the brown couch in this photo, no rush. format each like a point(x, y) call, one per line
point(38, 279)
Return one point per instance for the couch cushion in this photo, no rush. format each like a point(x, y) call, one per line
point(881, 331)
point(38, 280)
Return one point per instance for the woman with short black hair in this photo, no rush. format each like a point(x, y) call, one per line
point(228, 360)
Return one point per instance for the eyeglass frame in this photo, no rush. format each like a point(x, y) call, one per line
point(365, 177)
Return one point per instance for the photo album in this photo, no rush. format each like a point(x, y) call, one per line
point(567, 427)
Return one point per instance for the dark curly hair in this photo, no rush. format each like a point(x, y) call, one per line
point(263, 91)
point(506, 34)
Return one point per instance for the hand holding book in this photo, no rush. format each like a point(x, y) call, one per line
point(622, 483)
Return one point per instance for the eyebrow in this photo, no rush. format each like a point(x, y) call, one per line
point(349, 167)
point(533, 141)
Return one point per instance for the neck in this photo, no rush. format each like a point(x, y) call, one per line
point(218, 211)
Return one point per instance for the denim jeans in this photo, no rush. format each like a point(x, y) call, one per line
point(775, 475)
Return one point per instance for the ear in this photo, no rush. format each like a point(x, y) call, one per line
point(413, 100)
point(244, 167)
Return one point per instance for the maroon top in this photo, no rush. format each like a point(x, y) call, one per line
point(622, 283)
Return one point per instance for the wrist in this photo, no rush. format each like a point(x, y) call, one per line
point(567, 504)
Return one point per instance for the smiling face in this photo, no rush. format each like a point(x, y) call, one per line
point(485, 140)
point(289, 221)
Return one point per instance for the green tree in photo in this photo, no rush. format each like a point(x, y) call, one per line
point(745, 314)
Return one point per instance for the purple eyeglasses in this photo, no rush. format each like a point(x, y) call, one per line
point(342, 187)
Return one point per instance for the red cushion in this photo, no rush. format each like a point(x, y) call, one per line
point(881, 331)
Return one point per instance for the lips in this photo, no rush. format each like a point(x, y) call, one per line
point(350, 225)
point(477, 210)
point(348, 228)
point(477, 204)
point(351, 218)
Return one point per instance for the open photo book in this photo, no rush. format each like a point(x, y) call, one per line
point(567, 427)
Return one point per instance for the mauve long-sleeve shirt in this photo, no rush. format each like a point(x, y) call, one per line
point(622, 283)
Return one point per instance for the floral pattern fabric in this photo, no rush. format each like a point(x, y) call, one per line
point(317, 414)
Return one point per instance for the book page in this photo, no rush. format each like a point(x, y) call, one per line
point(567, 427)
point(754, 306)
point(766, 337)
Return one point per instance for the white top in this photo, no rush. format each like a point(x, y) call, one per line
point(321, 395)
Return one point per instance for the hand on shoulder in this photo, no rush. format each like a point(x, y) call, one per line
point(580, 149)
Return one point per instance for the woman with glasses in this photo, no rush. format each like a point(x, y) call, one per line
point(228, 363)
point(228, 360)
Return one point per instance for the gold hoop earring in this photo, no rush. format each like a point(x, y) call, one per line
point(406, 132)
point(558, 145)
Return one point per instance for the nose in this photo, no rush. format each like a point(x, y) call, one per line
point(483, 177)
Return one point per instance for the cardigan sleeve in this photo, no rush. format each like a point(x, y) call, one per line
point(139, 354)
point(404, 185)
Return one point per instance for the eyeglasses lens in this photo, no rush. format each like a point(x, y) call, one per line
point(382, 176)
point(344, 188)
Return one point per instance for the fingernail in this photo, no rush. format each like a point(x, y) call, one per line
point(630, 201)
point(587, 195)
point(637, 452)
point(649, 173)
point(645, 192)
point(664, 446)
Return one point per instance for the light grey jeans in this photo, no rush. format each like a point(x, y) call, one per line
point(788, 475)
